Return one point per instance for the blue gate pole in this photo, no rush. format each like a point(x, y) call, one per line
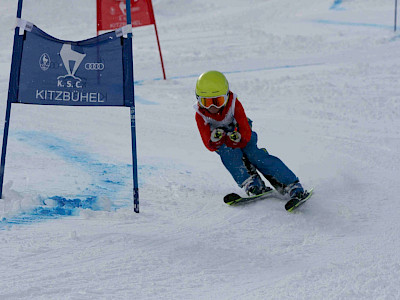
point(11, 96)
point(395, 15)
point(133, 116)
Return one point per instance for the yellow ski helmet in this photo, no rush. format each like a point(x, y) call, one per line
point(212, 84)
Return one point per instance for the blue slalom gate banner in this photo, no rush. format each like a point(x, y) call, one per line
point(60, 72)
point(93, 72)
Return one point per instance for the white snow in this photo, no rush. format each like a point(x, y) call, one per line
point(322, 87)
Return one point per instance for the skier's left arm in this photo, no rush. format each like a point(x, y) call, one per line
point(242, 134)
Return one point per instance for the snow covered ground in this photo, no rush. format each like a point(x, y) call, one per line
point(321, 81)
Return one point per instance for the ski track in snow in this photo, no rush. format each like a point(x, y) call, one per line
point(107, 182)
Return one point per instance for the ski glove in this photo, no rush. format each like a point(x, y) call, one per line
point(235, 136)
point(217, 134)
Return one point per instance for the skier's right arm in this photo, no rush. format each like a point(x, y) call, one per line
point(205, 133)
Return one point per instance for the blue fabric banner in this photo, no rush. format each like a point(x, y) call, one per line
point(86, 73)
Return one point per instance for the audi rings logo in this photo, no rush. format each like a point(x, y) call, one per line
point(94, 66)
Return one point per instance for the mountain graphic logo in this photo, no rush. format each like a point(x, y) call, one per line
point(71, 60)
point(122, 6)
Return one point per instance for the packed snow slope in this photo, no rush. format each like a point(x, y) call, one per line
point(321, 81)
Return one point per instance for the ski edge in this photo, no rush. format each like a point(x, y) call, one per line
point(241, 200)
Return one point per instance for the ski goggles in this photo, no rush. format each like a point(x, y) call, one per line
point(207, 102)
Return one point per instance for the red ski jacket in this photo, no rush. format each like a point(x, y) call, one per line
point(231, 117)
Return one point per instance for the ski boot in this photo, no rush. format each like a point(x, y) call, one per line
point(297, 196)
point(255, 186)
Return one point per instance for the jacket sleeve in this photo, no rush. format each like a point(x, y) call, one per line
point(205, 133)
point(243, 127)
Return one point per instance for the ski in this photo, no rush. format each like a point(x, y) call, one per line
point(235, 199)
point(293, 204)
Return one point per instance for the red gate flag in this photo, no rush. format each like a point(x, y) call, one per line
point(111, 14)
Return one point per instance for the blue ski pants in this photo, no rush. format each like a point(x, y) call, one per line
point(268, 165)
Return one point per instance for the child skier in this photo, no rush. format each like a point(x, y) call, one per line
point(225, 129)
